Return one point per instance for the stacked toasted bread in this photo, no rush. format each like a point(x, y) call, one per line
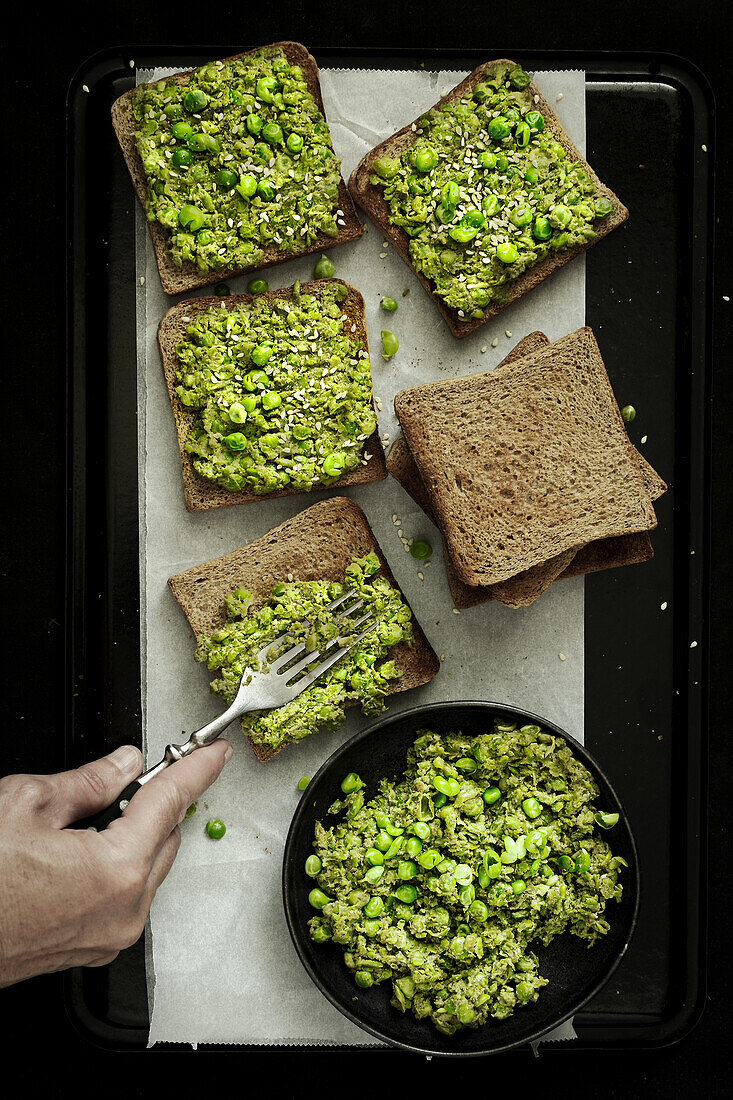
point(527, 470)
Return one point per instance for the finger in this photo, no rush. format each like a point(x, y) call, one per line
point(163, 863)
point(92, 787)
point(103, 960)
point(161, 804)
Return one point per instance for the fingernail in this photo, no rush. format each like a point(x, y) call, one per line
point(125, 757)
point(228, 754)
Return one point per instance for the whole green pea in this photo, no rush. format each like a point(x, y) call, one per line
point(215, 829)
point(522, 134)
point(226, 179)
point(407, 894)
point(266, 190)
point(221, 290)
point(426, 158)
point(325, 268)
point(363, 979)
point(254, 124)
point(388, 305)
point(374, 907)
point(386, 167)
point(235, 442)
point(271, 400)
point(499, 128)
point(182, 158)
point(507, 252)
point(294, 143)
point(195, 100)
point(247, 185)
point(333, 464)
point(313, 866)
point(390, 344)
point(628, 413)
point(602, 206)
point(535, 121)
point(542, 230)
point(492, 795)
point(304, 780)
point(272, 133)
point(421, 550)
point(257, 286)
point(374, 874)
point(487, 159)
point(318, 899)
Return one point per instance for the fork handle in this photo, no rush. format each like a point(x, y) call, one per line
point(100, 821)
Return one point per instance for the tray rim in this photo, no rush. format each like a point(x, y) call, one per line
point(675, 70)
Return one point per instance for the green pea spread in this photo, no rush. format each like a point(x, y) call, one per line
point(299, 608)
point(441, 883)
point(237, 159)
point(282, 389)
point(486, 191)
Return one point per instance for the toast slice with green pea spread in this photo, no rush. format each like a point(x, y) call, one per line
point(282, 581)
point(271, 394)
point(523, 589)
point(484, 195)
point(234, 166)
point(559, 473)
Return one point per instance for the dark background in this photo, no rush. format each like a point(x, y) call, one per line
point(39, 58)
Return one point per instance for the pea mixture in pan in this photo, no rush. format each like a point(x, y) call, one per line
point(486, 191)
point(443, 882)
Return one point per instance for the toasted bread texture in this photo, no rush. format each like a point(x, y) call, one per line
point(317, 544)
point(370, 198)
point(201, 494)
point(525, 587)
point(179, 279)
point(560, 471)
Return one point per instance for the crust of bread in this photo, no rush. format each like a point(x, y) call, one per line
point(317, 544)
point(371, 199)
point(200, 494)
point(178, 280)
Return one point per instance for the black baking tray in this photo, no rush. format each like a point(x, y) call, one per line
point(650, 132)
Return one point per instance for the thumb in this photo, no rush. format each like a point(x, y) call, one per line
point(93, 786)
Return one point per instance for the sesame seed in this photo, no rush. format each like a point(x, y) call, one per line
point(644, 438)
point(484, 348)
point(421, 576)
point(382, 255)
point(704, 148)
point(693, 645)
point(495, 342)
point(456, 611)
point(562, 656)
point(142, 280)
point(558, 97)
point(84, 88)
point(663, 607)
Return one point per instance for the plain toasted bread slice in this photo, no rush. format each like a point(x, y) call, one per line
point(371, 199)
point(317, 544)
point(177, 280)
point(199, 493)
point(559, 473)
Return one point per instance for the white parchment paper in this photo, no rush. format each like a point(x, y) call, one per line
point(221, 967)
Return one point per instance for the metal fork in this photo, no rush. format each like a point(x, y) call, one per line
point(277, 679)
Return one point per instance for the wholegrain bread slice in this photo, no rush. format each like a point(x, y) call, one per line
point(201, 494)
point(559, 473)
point(525, 587)
point(371, 199)
point(177, 280)
point(317, 544)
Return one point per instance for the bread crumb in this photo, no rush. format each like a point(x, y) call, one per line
point(663, 606)
point(693, 645)
point(495, 342)
point(562, 656)
point(558, 97)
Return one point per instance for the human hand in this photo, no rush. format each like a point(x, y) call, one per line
point(74, 897)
